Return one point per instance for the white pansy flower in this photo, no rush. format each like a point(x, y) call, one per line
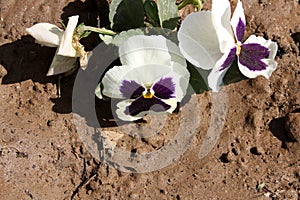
point(211, 40)
point(67, 43)
point(153, 77)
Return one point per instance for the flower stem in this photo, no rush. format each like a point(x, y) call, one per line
point(103, 31)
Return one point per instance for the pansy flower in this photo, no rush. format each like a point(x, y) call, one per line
point(66, 41)
point(152, 79)
point(211, 40)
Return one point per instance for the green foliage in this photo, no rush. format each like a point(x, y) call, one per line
point(198, 4)
point(197, 79)
point(168, 13)
point(126, 14)
point(151, 12)
point(129, 14)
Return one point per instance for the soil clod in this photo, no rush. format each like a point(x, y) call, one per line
point(292, 126)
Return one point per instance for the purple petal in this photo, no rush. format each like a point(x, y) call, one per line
point(141, 104)
point(240, 30)
point(251, 56)
point(229, 60)
point(131, 89)
point(164, 88)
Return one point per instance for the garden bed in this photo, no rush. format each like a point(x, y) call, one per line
point(43, 157)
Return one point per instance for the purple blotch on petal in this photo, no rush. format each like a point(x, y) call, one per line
point(229, 60)
point(251, 56)
point(240, 30)
point(131, 89)
point(164, 88)
point(141, 104)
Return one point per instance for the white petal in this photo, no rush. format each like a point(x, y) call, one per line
point(198, 41)
point(46, 34)
point(112, 81)
point(83, 60)
point(272, 64)
point(98, 91)
point(221, 13)
point(172, 102)
point(236, 16)
point(176, 55)
point(121, 111)
point(143, 50)
point(123, 104)
point(181, 77)
point(107, 39)
point(66, 46)
point(148, 74)
point(151, 74)
point(215, 77)
point(272, 46)
point(61, 64)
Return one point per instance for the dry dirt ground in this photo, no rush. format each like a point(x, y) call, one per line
point(42, 156)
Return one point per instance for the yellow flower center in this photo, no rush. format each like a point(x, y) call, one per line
point(239, 48)
point(148, 94)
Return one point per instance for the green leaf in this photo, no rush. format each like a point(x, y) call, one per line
point(126, 14)
point(233, 74)
point(151, 12)
point(168, 13)
point(197, 79)
point(198, 4)
point(120, 38)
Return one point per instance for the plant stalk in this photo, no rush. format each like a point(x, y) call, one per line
point(103, 31)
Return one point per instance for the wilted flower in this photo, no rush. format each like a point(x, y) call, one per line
point(69, 47)
point(153, 77)
point(210, 40)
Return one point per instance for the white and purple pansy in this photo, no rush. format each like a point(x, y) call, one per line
point(153, 77)
point(211, 40)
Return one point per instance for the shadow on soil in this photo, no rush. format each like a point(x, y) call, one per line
point(24, 59)
point(277, 127)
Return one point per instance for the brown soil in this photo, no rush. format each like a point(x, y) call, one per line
point(42, 156)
